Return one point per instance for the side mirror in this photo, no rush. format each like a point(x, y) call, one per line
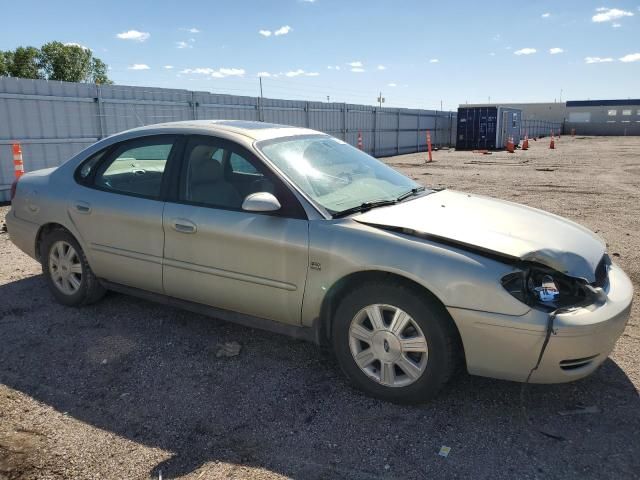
point(261, 202)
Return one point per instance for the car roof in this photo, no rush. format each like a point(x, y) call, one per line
point(250, 129)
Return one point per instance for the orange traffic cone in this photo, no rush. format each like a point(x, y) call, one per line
point(360, 146)
point(510, 146)
point(552, 144)
point(525, 143)
point(18, 165)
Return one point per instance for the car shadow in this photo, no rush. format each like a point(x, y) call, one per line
point(150, 374)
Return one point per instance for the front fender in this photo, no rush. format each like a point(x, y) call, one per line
point(458, 278)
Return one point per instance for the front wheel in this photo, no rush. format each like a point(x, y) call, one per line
point(394, 342)
point(67, 271)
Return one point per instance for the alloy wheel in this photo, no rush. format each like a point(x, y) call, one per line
point(388, 345)
point(65, 267)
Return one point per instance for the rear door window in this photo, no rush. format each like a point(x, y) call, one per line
point(136, 167)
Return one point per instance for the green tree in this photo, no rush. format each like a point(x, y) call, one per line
point(54, 61)
point(3, 65)
point(23, 62)
point(69, 63)
point(99, 72)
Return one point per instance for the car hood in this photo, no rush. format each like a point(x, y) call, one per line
point(496, 226)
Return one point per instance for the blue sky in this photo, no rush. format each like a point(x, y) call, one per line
point(417, 53)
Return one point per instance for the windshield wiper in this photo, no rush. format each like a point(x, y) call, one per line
point(363, 207)
point(410, 193)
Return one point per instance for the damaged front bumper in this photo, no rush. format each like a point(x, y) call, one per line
point(507, 347)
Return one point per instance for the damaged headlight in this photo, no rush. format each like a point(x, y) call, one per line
point(546, 288)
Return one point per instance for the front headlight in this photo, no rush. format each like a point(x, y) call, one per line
point(546, 289)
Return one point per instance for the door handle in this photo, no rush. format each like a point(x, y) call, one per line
point(183, 225)
point(82, 207)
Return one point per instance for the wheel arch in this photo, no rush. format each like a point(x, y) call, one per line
point(43, 231)
point(342, 286)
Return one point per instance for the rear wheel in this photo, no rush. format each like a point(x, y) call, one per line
point(394, 343)
point(67, 271)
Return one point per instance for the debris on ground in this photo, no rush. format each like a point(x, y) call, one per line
point(579, 410)
point(444, 451)
point(228, 349)
point(3, 228)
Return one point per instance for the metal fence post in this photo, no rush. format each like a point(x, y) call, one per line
point(344, 121)
point(194, 106)
point(398, 135)
point(101, 118)
point(306, 111)
point(375, 130)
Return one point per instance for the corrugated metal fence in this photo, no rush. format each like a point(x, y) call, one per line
point(55, 120)
point(539, 128)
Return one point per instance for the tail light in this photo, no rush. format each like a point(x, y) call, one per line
point(14, 185)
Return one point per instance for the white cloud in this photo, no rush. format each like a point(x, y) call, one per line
point(134, 35)
point(616, 25)
point(168, 67)
point(381, 67)
point(199, 71)
point(193, 30)
point(545, 15)
point(299, 72)
point(232, 72)
point(220, 73)
point(356, 64)
point(263, 74)
point(598, 60)
point(357, 70)
point(492, 54)
point(139, 66)
point(182, 44)
point(609, 14)
point(307, 1)
point(282, 30)
point(392, 84)
point(434, 60)
point(525, 51)
point(556, 50)
point(265, 33)
point(333, 67)
point(74, 44)
point(632, 57)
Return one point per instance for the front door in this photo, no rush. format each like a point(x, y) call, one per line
point(219, 255)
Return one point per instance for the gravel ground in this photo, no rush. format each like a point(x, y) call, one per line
point(129, 389)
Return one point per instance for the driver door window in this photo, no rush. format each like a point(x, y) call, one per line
point(217, 176)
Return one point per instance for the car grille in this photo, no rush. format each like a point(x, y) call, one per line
point(576, 363)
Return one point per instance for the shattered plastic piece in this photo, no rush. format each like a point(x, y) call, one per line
point(228, 349)
point(444, 451)
point(580, 410)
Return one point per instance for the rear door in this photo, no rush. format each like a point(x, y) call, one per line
point(117, 209)
point(219, 255)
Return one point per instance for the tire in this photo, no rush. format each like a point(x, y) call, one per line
point(79, 285)
point(418, 375)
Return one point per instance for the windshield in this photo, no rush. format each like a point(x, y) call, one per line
point(335, 174)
